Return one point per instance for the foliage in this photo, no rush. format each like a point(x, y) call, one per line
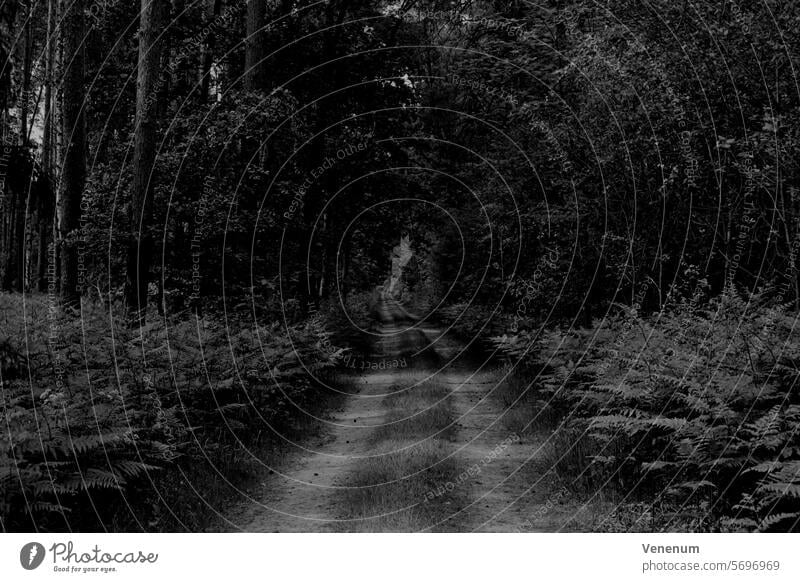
point(693, 408)
point(91, 421)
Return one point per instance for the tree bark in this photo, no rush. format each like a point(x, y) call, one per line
point(255, 75)
point(140, 244)
point(8, 14)
point(73, 174)
point(215, 7)
point(13, 234)
point(27, 61)
point(46, 214)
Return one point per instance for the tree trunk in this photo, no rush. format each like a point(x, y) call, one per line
point(140, 245)
point(47, 204)
point(208, 52)
point(73, 174)
point(13, 221)
point(255, 76)
point(8, 14)
point(345, 269)
point(25, 97)
point(48, 140)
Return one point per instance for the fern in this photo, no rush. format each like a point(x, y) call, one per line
point(700, 415)
point(779, 518)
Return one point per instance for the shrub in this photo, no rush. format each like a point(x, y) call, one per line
point(96, 409)
point(695, 407)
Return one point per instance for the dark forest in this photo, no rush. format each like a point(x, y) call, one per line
point(357, 265)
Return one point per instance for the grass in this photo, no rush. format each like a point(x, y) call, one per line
point(201, 493)
point(525, 413)
point(416, 414)
point(392, 491)
point(565, 452)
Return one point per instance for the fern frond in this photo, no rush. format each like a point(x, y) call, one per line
point(772, 520)
point(133, 468)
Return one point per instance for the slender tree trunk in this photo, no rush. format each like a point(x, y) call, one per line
point(8, 14)
point(25, 97)
point(15, 241)
point(73, 174)
point(49, 109)
point(47, 204)
point(11, 236)
point(41, 250)
point(208, 53)
point(322, 290)
point(345, 269)
point(27, 115)
point(140, 247)
point(255, 75)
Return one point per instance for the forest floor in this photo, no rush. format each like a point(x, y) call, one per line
point(422, 445)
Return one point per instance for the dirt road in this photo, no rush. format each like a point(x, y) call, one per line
point(421, 445)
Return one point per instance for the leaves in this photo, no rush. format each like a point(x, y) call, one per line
point(139, 402)
point(651, 412)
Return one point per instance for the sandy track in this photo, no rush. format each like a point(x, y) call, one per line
point(301, 498)
point(502, 482)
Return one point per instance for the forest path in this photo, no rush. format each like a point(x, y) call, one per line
point(420, 446)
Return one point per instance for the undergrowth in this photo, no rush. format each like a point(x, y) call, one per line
point(692, 412)
point(109, 427)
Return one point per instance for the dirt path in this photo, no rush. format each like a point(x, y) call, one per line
point(302, 497)
point(511, 488)
point(417, 447)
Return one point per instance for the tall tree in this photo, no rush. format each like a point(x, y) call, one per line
point(213, 12)
point(140, 247)
point(73, 174)
point(255, 74)
point(27, 63)
point(49, 148)
point(8, 14)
